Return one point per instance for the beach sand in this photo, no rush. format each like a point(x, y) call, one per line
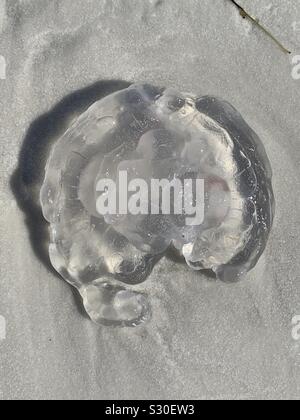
point(206, 340)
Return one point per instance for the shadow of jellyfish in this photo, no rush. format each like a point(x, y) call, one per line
point(27, 179)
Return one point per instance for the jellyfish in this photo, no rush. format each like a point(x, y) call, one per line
point(147, 169)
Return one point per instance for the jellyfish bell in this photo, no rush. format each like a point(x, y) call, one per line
point(154, 134)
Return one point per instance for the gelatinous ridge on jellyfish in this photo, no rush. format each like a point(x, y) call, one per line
point(149, 133)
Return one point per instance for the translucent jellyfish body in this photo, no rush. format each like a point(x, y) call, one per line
point(149, 133)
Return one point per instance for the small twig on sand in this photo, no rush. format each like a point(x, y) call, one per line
point(245, 15)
